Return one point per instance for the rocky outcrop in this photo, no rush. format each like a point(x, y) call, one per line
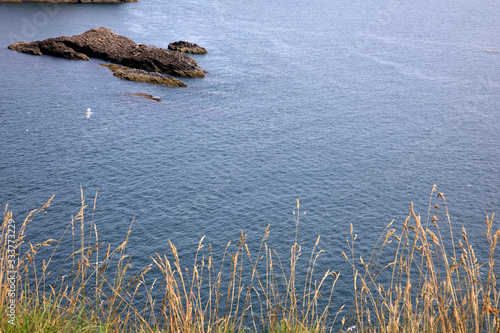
point(140, 75)
point(104, 44)
point(151, 97)
point(186, 47)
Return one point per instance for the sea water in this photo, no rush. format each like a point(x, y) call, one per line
point(356, 108)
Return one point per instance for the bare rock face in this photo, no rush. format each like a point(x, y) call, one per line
point(59, 49)
point(140, 75)
point(104, 44)
point(186, 47)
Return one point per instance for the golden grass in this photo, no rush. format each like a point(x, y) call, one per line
point(415, 280)
point(427, 285)
point(245, 291)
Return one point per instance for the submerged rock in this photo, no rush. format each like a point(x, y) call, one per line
point(140, 75)
point(104, 44)
point(186, 47)
point(151, 97)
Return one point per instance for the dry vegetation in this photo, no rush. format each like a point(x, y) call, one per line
point(427, 285)
point(415, 280)
point(245, 291)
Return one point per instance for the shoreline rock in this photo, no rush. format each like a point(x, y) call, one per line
point(103, 43)
point(140, 75)
point(187, 47)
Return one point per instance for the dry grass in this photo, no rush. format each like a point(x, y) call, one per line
point(415, 280)
point(245, 291)
point(427, 285)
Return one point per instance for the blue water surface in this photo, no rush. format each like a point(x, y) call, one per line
point(357, 108)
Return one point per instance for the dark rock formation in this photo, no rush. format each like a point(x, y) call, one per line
point(58, 49)
point(104, 44)
point(140, 75)
point(151, 97)
point(186, 47)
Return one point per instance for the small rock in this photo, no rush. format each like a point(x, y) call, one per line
point(151, 97)
point(186, 47)
point(141, 75)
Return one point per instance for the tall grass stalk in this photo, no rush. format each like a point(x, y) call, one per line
point(244, 291)
point(420, 279)
point(427, 285)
